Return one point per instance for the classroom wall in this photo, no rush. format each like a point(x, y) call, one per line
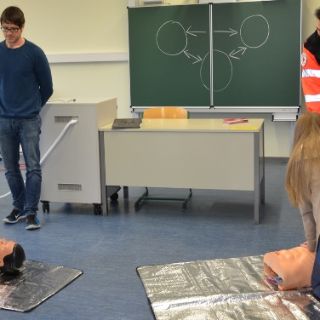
point(73, 27)
point(100, 26)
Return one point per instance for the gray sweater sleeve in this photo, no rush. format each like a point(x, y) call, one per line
point(310, 211)
point(309, 225)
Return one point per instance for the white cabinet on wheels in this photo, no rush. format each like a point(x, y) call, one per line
point(71, 169)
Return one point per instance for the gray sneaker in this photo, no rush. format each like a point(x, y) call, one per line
point(33, 222)
point(15, 216)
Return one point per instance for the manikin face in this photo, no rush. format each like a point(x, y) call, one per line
point(12, 34)
point(6, 248)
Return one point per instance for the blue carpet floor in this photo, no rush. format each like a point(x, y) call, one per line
point(216, 224)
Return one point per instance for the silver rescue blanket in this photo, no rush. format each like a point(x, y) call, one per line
point(222, 289)
point(37, 282)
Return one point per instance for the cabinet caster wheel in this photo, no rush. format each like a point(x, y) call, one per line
point(45, 206)
point(137, 206)
point(114, 197)
point(97, 209)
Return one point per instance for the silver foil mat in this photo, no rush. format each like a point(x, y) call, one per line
point(36, 282)
point(222, 289)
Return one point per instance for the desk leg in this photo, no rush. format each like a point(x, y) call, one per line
point(262, 159)
point(125, 192)
point(257, 180)
point(104, 201)
point(262, 193)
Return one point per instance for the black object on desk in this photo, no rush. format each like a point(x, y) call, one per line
point(126, 123)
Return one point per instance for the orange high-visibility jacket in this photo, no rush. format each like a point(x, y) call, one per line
point(310, 80)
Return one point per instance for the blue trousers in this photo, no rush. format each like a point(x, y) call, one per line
point(24, 132)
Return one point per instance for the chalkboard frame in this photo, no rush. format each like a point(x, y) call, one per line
point(289, 110)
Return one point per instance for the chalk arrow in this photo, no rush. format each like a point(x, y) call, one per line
point(233, 54)
point(231, 32)
point(193, 32)
point(191, 56)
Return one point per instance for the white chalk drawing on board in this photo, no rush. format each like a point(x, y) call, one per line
point(253, 40)
point(224, 62)
point(181, 41)
point(204, 70)
point(249, 38)
point(173, 48)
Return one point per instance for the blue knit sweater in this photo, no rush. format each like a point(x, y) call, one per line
point(25, 81)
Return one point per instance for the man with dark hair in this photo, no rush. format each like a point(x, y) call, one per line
point(310, 62)
point(25, 87)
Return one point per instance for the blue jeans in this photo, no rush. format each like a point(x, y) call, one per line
point(24, 132)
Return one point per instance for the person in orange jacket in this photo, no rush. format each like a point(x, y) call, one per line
point(310, 63)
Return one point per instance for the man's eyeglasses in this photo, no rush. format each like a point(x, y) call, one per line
point(13, 30)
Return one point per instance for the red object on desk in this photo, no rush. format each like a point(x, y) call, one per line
point(234, 120)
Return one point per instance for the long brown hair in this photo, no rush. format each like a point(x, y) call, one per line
point(305, 156)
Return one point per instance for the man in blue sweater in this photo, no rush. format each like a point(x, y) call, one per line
point(25, 87)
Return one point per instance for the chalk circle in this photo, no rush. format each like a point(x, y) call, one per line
point(205, 71)
point(171, 38)
point(254, 31)
point(222, 70)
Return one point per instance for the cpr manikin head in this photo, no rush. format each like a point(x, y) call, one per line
point(12, 256)
point(294, 266)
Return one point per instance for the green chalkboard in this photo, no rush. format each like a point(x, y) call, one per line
point(166, 49)
point(256, 53)
point(230, 54)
